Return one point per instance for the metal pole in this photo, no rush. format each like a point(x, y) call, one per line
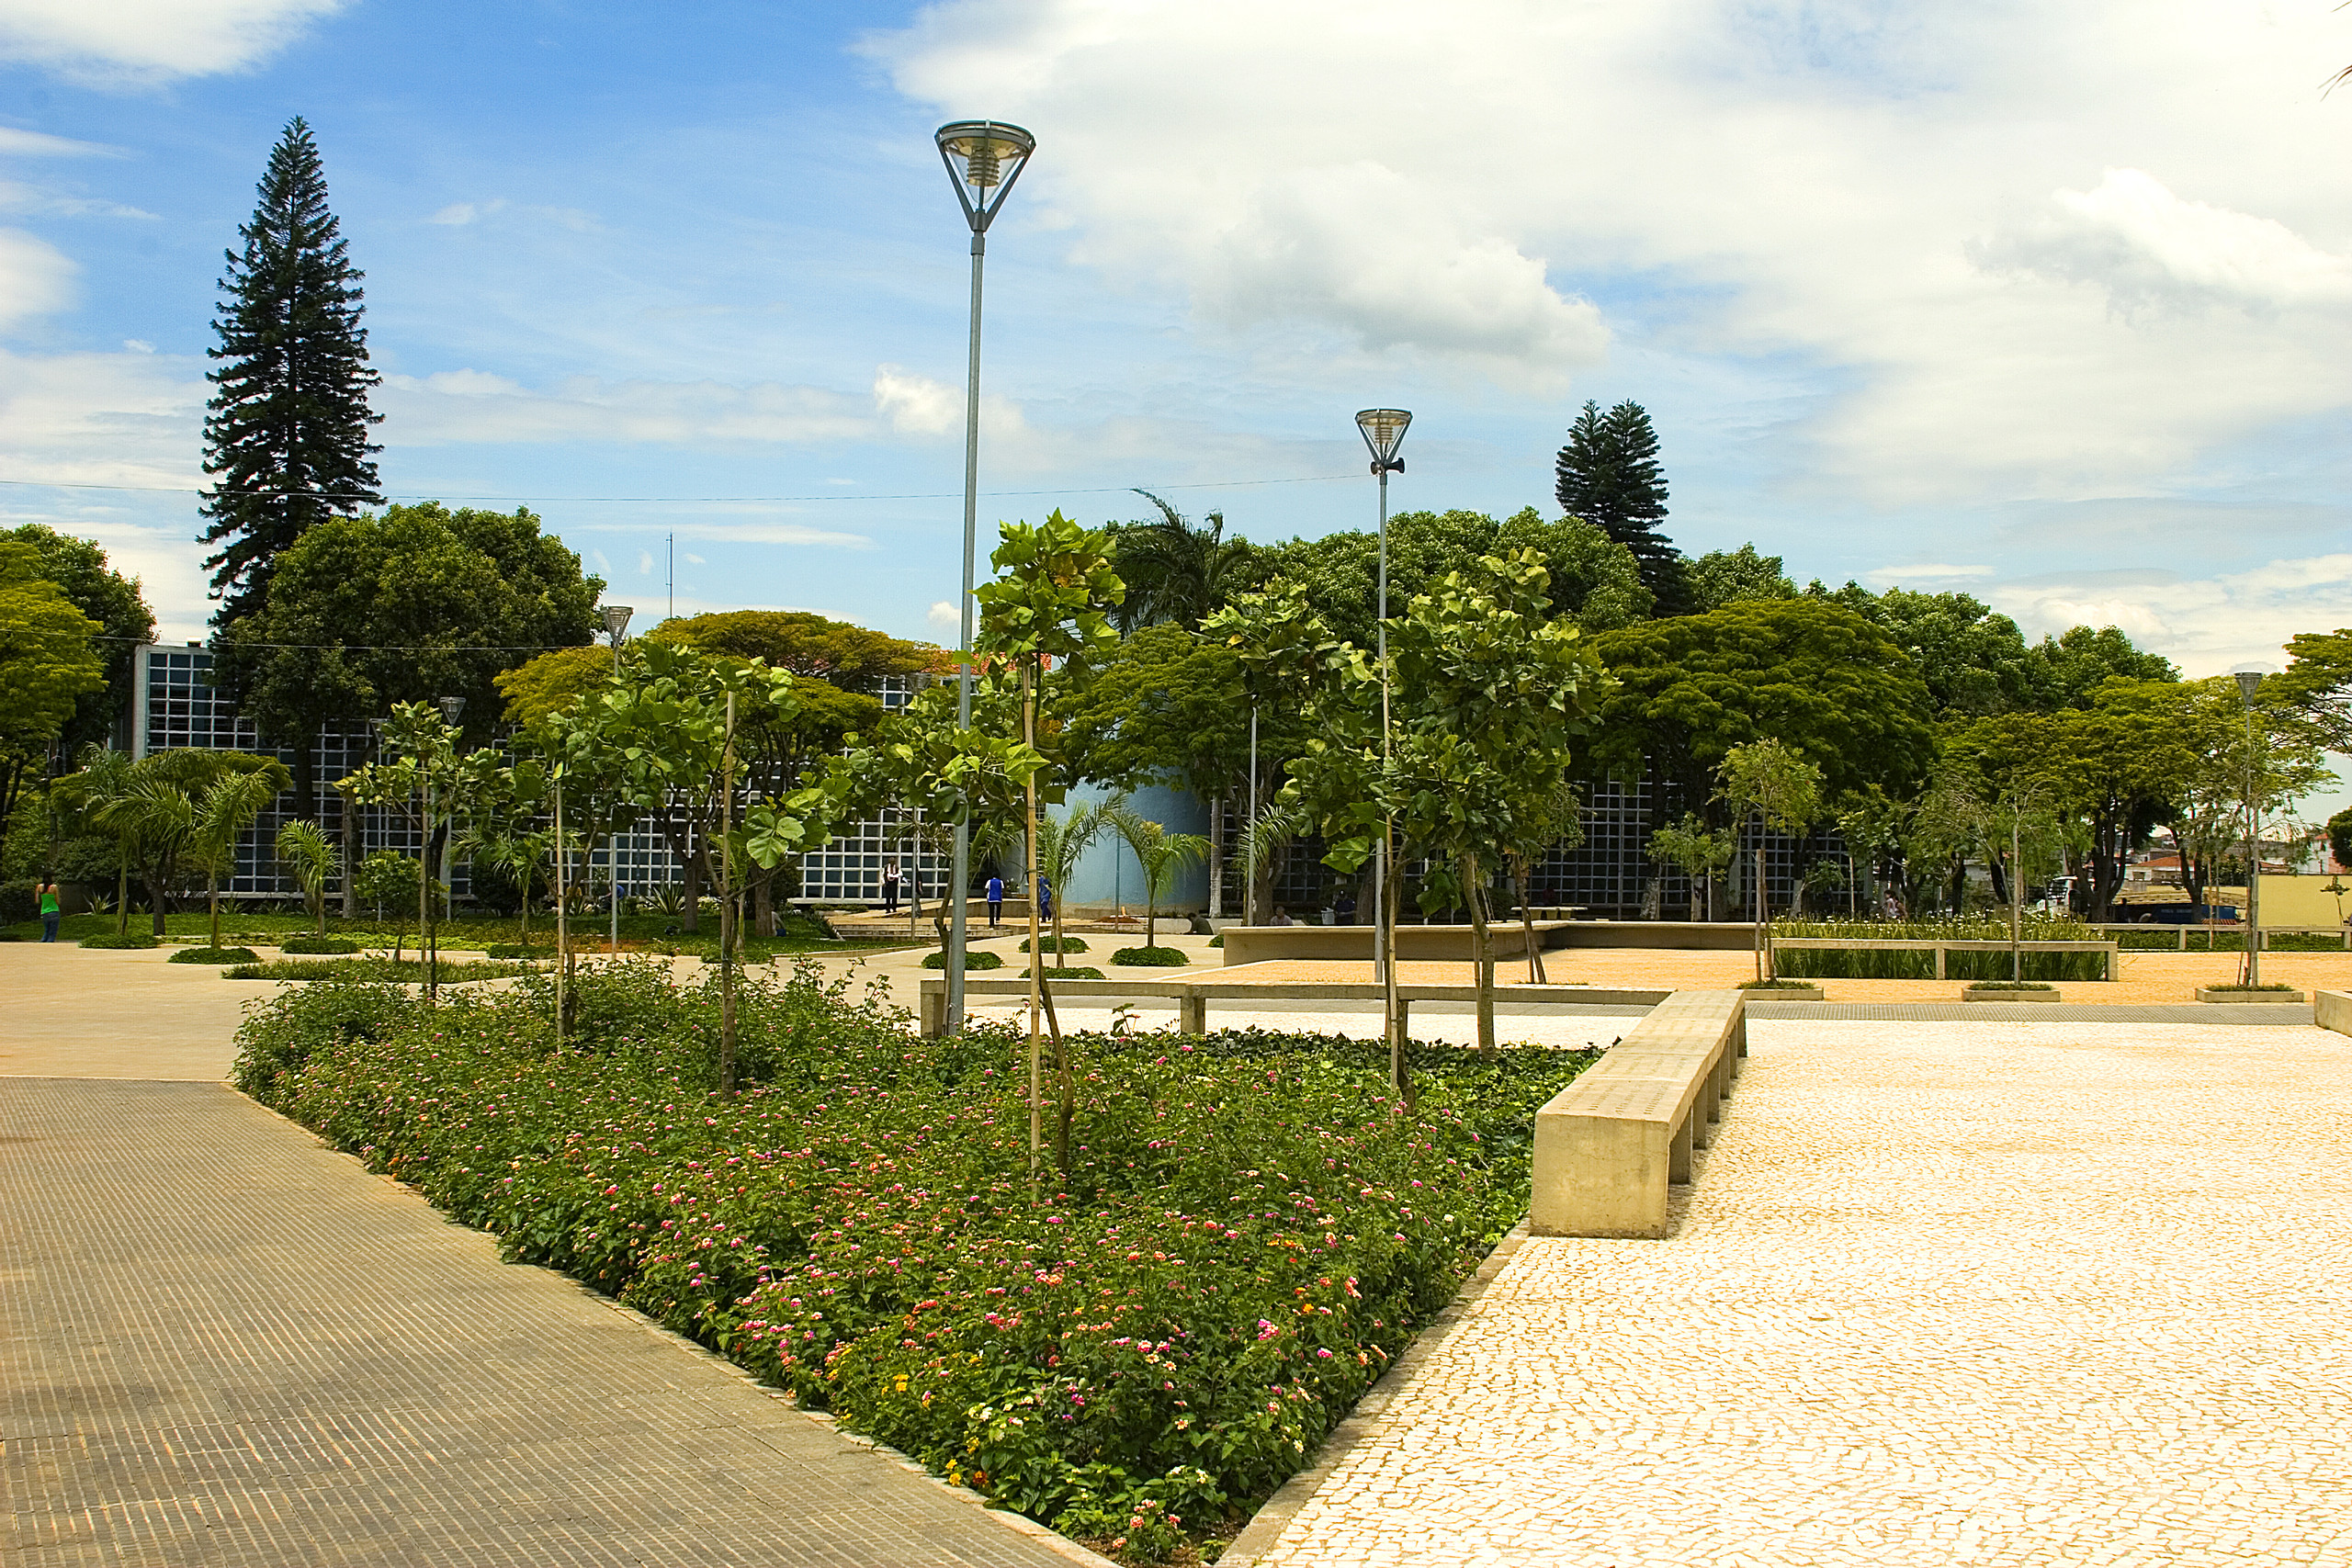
point(1384, 956)
point(1248, 868)
point(613, 843)
point(961, 876)
point(2253, 856)
point(424, 887)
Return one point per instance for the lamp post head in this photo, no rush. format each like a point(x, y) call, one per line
point(616, 619)
point(451, 707)
point(983, 158)
point(2249, 679)
point(1383, 432)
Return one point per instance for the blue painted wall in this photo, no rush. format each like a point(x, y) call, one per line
point(1108, 875)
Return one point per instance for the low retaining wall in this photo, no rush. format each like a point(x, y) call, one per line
point(1192, 997)
point(1609, 1145)
point(2332, 1010)
point(1255, 944)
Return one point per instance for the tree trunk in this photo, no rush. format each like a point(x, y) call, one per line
point(1535, 974)
point(1763, 915)
point(1481, 954)
point(1392, 901)
point(212, 898)
point(727, 896)
point(1216, 857)
point(690, 866)
point(1037, 959)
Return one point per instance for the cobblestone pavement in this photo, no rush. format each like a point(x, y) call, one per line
point(1942, 1295)
point(222, 1343)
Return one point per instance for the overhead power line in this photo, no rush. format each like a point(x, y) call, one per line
point(685, 500)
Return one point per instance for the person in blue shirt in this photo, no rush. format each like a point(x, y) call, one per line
point(1044, 899)
point(996, 901)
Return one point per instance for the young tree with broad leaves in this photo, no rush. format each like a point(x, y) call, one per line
point(286, 431)
point(1770, 781)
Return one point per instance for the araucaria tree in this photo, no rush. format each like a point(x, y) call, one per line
point(1609, 475)
point(286, 434)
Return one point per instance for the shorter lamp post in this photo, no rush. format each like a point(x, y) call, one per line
point(2250, 682)
point(427, 875)
point(615, 623)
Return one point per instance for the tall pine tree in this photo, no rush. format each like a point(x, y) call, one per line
point(1609, 475)
point(287, 428)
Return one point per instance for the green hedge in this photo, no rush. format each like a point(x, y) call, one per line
point(1151, 955)
point(214, 955)
point(1246, 1234)
point(108, 940)
point(408, 971)
point(1047, 945)
point(321, 944)
point(974, 958)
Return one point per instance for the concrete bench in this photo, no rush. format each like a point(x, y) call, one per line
point(1258, 945)
point(1192, 997)
point(1859, 945)
point(1608, 1146)
point(2332, 1010)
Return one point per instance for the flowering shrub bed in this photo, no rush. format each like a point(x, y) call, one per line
point(1247, 1231)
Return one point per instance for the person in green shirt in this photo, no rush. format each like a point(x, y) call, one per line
point(50, 912)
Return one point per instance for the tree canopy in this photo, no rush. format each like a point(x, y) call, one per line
point(1609, 474)
point(114, 602)
point(47, 665)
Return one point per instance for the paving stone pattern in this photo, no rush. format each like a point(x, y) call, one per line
point(1942, 1295)
point(226, 1344)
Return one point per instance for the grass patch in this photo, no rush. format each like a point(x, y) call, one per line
point(1782, 983)
point(2273, 986)
point(974, 958)
point(214, 955)
point(1217, 941)
point(451, 971)
point(108, 940)
point(1873, 963)
point(2010, 985)
point(1151, 955)
point(1073, 972)
point(1246, 1233)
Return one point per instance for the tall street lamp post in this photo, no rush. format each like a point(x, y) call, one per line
point(984, 157)
point(2249, 683)
point(615, 623)
point(1384, 433)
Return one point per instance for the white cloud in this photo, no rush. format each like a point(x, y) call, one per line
point(1927, 572)
point(14, 143)
point(138, 345)
point(2143, 246)
point(945, 617)
point(459, 214)
point(110, 419)
point(644, 563)
point(35, 277)
point(741, 530)
point(1860, 194)
point(694, 559)
point(143, 41)
point(453, 406)
point(917, 405)
point(2205, 625)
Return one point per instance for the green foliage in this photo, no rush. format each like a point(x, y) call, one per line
point(304, 849)
point(2008, 985)
point(1872, 963)
point(286, 432)
point(1217, 941)
point(1609, 475)
point(113, 603)
point(214, 955)
point(1173, 573)
point(1056, 944)
point(1777, 983)
point(1252, 1233)
point(446, 972)
point(324, 944)
point(118, 940)
point(1145, 956)
point(1161, 706)
point(1728, 577)
point(1163, 857)
point(1814, 675)
point(974, 958)
point(47, 664)
point(1069, 972)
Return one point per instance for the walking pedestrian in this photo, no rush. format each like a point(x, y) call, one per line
point(996, 901)
point(1044, 899)
point(890, 888)
point(50, 911)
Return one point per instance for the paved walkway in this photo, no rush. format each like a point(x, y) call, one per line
point(221, 1343)
point(1942, 1295)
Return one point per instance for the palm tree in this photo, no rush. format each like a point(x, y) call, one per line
point(96, 794)
point(305, 851)
point(1163, 856)
point(1061, 845)
point(218, 821)
point(1173, 570)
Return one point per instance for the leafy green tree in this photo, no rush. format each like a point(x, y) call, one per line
point(388, 880)
point(1726, 577)
point(105, 778)
point(286, 432)
point(2339, 836)
point(551, 681)
point(419, 602)
point(223, 814)
point(1772, 782)
point(1976, 661)
point(2069, 669)
point(1814, 675)
point(1698, 853)
point(2317, 685)
point(1049, 602)
point(1160, 706)
point(1609, 475)
point(1162, 855)
point(310, 857)
point(423, 772)
point(1176, 573)
point(46, 666)
point(114, 602)
point(152, 807)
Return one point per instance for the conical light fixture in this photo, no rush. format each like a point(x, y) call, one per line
point(983, 158)
point(1383, 432)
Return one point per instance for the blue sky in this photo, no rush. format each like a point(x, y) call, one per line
point(2050, 304)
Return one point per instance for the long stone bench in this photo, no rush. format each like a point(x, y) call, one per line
point(1608, 1146)
point(1258, 945)
point(1192, 997)
point(2332, 1010)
